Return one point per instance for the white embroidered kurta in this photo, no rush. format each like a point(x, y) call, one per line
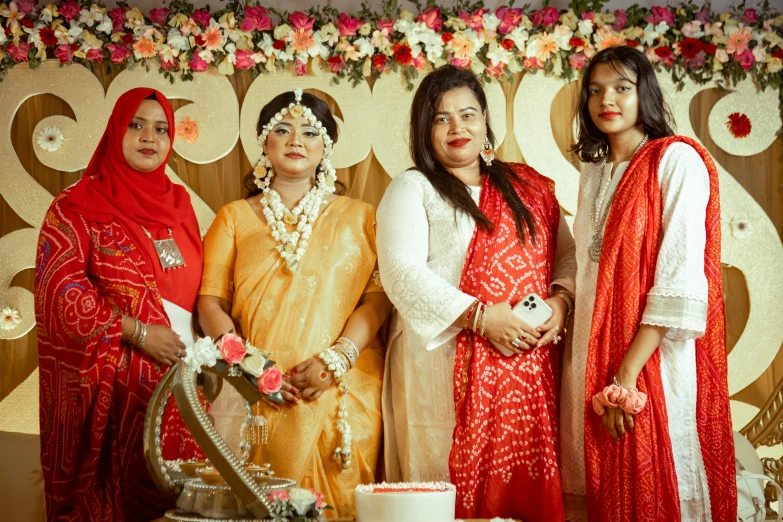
point(677, 300)
point(422, 245)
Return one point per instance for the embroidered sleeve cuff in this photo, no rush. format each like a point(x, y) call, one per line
point(685, 316)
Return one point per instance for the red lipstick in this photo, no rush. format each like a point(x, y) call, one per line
point(459, 142)
point(608, 115)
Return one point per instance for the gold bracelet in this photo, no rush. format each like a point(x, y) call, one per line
point(566, 296)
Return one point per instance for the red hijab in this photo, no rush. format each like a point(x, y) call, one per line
point(112, 190)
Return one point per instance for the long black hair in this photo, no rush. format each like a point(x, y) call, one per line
point(282, 101)
point(592, 145)
point(452, 189)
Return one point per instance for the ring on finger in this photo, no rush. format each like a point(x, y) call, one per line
point(515, 343)
point(556, 339)
point(179, 353)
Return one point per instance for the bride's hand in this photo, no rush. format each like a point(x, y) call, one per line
point(312, 377)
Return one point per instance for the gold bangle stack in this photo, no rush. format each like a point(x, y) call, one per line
point(474, 319)
point(348, 350)
point(139, 334)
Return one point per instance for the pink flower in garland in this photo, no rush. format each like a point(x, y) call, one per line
point(385, 24)
point(18, 53)
point(197, 63)
point(300, 68)
point(256, 19)
point(64, 52)
point(495, 71)
point(588, 15)
point(201, 17)
point(25, 6)
point(460, 62)
point(95, 55)
point(119, 53)
point(159, 15)
point(347, 25)
point(546, 17)
point(244, 59)
point(299, 20)
point(660, 14)
point(431, 18)
point(419, 62)
point(746, 59)
point(578, 61)
point(704, 15)
point(117, 16)
point(749, 16)
point(620, 19)
point(474, 21)
point(739, 125)
point(738, 40)
point(533, 63)
point(69, 10)
point(510, 18)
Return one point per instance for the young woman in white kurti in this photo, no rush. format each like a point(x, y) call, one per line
point(425, 246)
point(625, 473)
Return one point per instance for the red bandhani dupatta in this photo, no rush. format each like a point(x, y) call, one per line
point(634, 480)
point(504, 457)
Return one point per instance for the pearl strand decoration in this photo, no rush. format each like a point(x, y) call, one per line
point(292, 245)
point(338, 366)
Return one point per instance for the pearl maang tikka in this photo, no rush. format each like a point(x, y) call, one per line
point(291, 245)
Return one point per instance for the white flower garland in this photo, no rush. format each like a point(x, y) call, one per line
point(292, 245)
point(338, 366)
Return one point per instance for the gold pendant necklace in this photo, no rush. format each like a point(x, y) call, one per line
point(167, 250)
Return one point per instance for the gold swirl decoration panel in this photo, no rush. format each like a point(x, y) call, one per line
point(377, 119)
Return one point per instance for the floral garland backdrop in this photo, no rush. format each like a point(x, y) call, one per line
point(181, 40)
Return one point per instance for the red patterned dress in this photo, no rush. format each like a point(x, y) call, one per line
point(95, 389)
point(504, 457)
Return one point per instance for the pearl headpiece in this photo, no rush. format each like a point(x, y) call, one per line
point(291, 245)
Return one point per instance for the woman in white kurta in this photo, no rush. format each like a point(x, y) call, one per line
point(447, 244)
point(678, 301)
point(643, 208)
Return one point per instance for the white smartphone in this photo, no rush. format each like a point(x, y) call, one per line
point(531, 309)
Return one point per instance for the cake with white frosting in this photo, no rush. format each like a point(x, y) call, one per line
point(406, 501)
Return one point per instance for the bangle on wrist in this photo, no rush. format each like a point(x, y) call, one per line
point(471, 310)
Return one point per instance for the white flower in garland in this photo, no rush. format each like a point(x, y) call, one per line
point(51, 139)
point(9, 318)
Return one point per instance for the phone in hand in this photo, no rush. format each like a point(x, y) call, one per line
point(531, 309)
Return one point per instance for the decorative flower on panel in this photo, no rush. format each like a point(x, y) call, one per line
point(50, 139)
point(739, 125)
point(740, 228)
point(187, 130)
point(9, 318)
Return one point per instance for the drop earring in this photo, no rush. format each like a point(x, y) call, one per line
point(487, 153)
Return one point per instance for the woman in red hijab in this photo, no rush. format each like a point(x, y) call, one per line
point(118, 266)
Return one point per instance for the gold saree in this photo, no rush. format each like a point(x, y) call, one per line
point(295, 317)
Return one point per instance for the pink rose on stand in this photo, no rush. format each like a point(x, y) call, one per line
point(385, 24)
point(69, 10)
point(510, 18)
point(201, 17)
point(660, 14)
point(749, 16)
point(746, 59)
point(95, 55)
point(320, 499)
point(119, 53)
point(278, 496)
point(117, 16)
point(197, 63)
point(64, 52)
point(270, 381)
point(620, 19)
point(232, 348)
